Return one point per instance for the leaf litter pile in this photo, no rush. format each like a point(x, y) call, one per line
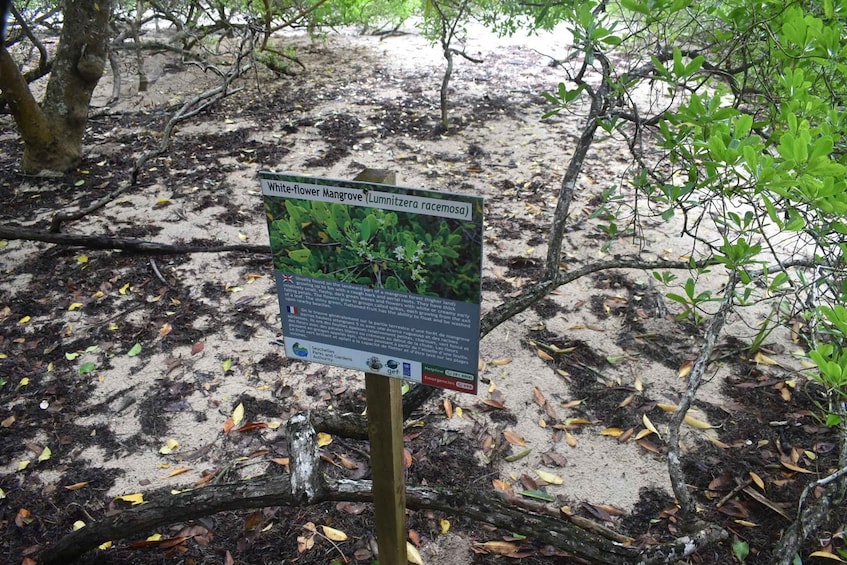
point(106, 356)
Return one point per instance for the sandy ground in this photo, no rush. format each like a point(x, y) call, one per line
point(521, 149)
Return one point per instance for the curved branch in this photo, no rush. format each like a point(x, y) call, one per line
point(680, 489)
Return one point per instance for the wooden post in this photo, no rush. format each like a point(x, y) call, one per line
point(385, 431)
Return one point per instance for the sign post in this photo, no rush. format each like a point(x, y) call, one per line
point(384, 279)
point(385, 432)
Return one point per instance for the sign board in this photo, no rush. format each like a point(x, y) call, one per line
point(378, 278)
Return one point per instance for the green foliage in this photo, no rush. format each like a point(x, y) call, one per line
point(392, 250)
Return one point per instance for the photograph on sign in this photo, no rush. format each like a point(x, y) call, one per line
point(378, 278)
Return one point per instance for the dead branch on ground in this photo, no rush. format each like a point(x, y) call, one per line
point(306, 485)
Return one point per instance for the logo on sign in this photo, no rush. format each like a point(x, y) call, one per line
point(299, 350)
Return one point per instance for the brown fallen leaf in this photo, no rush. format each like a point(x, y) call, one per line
point(791, 466)
point(544, 355)
point(448, 408)
point(500, 547)
point(77, 486)
point(514, 438)
point(538, 396)
point(649, 446)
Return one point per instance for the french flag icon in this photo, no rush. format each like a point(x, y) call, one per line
point(292, 310)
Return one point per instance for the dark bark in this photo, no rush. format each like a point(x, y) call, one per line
point(52, 133)
point(80, 61)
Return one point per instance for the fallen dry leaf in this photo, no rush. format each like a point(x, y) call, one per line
point(413, 555)
point(514, 438)
point(549, 477)
point(544, 355)
point(649, 425)
point(500, 547)
point(538, 396)
point(333, 534)
point(612, 432)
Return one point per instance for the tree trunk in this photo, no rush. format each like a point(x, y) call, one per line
point(52, 133)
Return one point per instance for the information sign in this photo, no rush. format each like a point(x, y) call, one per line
point(378, 278)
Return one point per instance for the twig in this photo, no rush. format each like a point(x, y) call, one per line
point(157, 272)
point(683, 496)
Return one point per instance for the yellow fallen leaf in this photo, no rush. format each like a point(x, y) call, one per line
point(762, 359)
point(747, 523)
point(685, 369)
point(134, 499)
point(75, 306)
point(78, 525)
point(324, 439)
point(45, 454)
point(695, 423)
point(154, 537)
point(23, 464)
point(333, 534)
point(124, 289)
point(413, 555)
point(445, 526)
point(577, 422)
point(639, 386)
point(238, 414)
point(570, 439)
point(82, 259)
point(170, 446)
point(165, 329)
point(274, 425)
point(826, 555)
point(179, 471)
point(105, 545)
point(612, 432)
point(642, 434)
point(626, 401)
point(666, 407)
point(459, 412)
point(758, 480)
point(549, 477)
point(25, 319)
point(649, 425)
